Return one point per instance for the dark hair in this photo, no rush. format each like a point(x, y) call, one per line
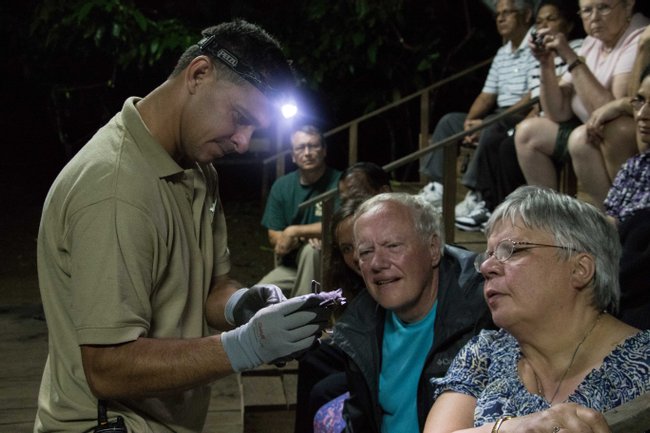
point(342, 275)
point(252, 46)
point(377, 177)
point(567, 9)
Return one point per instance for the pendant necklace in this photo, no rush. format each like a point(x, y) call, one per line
point(538, 382)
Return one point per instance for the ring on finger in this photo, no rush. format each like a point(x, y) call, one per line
point(556, 429)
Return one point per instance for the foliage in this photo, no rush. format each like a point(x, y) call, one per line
point(117, 29)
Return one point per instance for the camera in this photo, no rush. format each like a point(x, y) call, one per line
point(538, 40)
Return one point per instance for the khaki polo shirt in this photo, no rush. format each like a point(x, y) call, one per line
point(127, 247)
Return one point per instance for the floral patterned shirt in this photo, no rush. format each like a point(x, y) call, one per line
point(630, 191)
point(486, 368)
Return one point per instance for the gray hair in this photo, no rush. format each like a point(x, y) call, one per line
point(426, 218)
point(520, 5)
point(573, 224)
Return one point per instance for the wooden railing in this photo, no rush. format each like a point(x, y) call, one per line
point(353, 126)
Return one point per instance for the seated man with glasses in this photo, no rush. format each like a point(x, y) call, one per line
point(295, 233)
point(506, 86)
point(561, 359)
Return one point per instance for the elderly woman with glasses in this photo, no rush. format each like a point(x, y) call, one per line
point(560, 359)
point(597, 73)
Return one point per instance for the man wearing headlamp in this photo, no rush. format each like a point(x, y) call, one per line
point(132, 251)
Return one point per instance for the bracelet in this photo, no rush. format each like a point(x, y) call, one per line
point(577, 62)
point(497, 425)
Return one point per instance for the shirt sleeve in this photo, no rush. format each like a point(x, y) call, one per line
point(116, 257)
point(273, 218)
point(468, 372)
point(492, 81)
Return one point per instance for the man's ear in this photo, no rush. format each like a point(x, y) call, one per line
point(584, 269)
point(199, 69)
point(435, 249)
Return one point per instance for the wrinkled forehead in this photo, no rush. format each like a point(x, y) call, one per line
point(301, 137)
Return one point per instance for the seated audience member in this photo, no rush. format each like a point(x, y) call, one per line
point(505, 87)
point(597, 73)
point(498, 169)
point(420, 306)
point(289, 228)
point(628, 203)
point(363, 179)
point(321, 372)
point(560, 358)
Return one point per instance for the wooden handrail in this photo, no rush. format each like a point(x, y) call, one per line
point(449, 181)
point(355, 122)
point(630, 417)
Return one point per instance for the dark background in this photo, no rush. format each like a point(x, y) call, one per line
point(351, 57)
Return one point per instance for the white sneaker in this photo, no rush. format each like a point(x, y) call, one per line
point(476, 220)
point(432, 193)
point(466, 206)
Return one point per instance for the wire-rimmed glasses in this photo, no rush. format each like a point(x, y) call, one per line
point(507, 247)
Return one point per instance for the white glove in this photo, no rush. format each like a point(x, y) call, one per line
point(276, 332)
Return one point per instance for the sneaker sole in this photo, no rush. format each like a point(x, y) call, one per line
point(468, 228)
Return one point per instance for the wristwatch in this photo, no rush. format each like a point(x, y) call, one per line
point(577, 62)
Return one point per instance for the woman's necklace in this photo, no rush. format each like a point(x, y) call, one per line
point(538, 382)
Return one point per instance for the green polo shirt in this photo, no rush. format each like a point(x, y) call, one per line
point(127, 247)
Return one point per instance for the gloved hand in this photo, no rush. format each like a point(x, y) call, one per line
point(318, 302)
point(276, 332)
point(244, 303)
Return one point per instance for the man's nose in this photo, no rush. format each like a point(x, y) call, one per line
point(242, 139)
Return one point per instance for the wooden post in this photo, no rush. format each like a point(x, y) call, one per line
point(353, 143)
point(450, 152)
point(326, 244)
point(424, 124)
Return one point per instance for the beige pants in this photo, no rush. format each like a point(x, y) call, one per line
point(296, 282)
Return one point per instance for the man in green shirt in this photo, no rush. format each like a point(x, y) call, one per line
point(295, 234)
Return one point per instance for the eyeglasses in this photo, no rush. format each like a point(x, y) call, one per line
point(638, 103)
point(506, 248)
point(505, 13)
point(304, 147)
point(601, 8)
point(210, 46)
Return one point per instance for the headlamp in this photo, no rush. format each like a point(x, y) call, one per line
point(209, 46)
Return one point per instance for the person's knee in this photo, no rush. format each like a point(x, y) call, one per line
point(525, 134)
point(620, 133)
point(579, 145)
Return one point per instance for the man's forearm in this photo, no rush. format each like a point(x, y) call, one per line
point(221, 290)
point(150, 367)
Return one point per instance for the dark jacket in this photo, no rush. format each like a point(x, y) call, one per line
point(462, 313)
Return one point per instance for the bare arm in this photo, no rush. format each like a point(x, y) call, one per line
point(482, 105)
point(584, 83)
point(642, 60)
point(288, 239)
point(150, 367)
point(222, 288)
point(451, 412)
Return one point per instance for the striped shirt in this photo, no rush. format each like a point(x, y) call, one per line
point(509, 72)
point(560, 68)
